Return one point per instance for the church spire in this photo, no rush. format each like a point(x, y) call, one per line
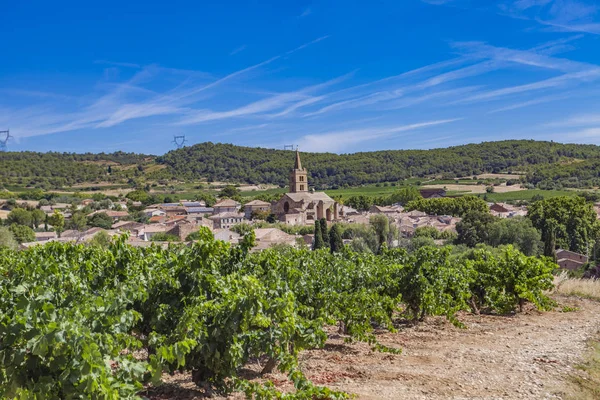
point(298, 177)
point(298, 164)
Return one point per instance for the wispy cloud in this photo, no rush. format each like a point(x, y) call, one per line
point(339, 141)
point(529, 103)
point(576, 121)
point(121, 103)
point(237, 50)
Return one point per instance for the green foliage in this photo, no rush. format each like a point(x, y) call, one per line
point(433, 233)
point(57, 220)
point(381, 227)
point(432, 285)
point(336, 244)
point(193, 236)
point(208, 198)
point(7, 239)
point(230, 192)
point(319, 240)
point(229, 163)
point(242, 228)
point(22, 233)
point(567, 222)
point(458, 206)
point(55, 170)
point(100, 239)
point(78, 221)
point(519, 232)
point(547, 165)
point(37, 217)
point(139, 195)
point(164, 237)
point(100, 220)
point(474, 228)
point(503, 283)
point(404, 195)
point(72, 316)
point(19, 216)
point(324, 232)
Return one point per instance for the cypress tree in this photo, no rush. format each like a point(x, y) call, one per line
point(318, 242)
point(336, 244)
point(324, 233)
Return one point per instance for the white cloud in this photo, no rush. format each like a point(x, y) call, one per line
point(339, 141)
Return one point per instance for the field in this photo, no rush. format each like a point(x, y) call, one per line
point(528, 194)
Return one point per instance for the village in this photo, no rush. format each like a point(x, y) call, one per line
point(299, 207)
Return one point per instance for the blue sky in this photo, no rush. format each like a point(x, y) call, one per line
point(325, 75)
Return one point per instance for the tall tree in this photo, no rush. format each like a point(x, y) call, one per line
point(336, 244)
point(381, 226)
point(37, 217)
point(57, 220)
point(474, 228)
point(567, 222)
point(324, 233)
point(318, 242)
point(78, 221)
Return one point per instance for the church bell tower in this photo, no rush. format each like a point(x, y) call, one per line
point(298, 177)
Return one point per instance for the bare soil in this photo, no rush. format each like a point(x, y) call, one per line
point(530, 355)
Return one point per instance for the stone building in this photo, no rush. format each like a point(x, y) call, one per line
point(301, 206)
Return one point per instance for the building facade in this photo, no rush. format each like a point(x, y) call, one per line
point(300, 206)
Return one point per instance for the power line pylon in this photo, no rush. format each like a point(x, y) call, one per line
point(179, 141)
point(4, 137)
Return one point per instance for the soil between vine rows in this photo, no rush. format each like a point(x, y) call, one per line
point(525, 356)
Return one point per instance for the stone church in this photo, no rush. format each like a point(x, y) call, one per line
point(301, 206)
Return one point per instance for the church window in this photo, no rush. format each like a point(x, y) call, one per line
point(286, 207)
point(301, 178)
point(301, 187)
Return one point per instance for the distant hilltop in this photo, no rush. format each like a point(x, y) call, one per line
point(541, 162)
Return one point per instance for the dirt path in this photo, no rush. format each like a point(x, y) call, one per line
point(526, 356)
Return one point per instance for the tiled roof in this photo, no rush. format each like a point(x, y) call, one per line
point(227, 215)
point(308, 196)
point(194, 210)
point(227, 203)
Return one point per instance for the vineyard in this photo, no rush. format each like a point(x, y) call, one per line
point(82, 321)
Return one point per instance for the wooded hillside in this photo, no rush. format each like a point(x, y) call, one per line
point(547, 165)
point(226, 162)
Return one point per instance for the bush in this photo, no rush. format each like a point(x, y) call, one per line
point(505, 282)
point(164, 237)
point(22, 233)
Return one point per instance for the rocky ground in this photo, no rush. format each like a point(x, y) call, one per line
point(531, 355)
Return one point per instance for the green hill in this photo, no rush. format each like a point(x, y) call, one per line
point(226, 162)
point(547, 165)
